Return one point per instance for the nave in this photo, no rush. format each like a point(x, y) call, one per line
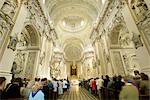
point(77, 93)
point(74, 40)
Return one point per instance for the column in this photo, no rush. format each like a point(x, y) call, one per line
point(7, 55)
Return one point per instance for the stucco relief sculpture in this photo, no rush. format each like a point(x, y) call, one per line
point(35, 15)
point(125, 38)
point(13, 42)
point(118, 62)
point(42, 58)
point(9, 8)
point(130, 62)
point(22, 40)
point(18, 64)
point(88, 73)
point(144, 26)
point(30, 65)
point(54, 70)
point(3, 28)
point(139, 7)
point(137, 40)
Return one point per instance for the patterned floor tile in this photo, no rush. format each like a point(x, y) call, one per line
point(77, 93)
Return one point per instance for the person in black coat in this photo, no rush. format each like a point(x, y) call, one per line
point(12, 90)
point(2, 85)
point(45, 88)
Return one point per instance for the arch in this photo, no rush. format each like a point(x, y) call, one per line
point(115, 34)
point(73, 40)
point(33, 33)
point(73, 48)
point(26, 53)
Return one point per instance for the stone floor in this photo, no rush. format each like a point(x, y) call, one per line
point(77, 93)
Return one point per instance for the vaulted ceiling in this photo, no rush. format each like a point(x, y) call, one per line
point(73, 21)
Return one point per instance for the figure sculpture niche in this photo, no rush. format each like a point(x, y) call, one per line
point(137, 40)
point(14, 70)
point(13, 42)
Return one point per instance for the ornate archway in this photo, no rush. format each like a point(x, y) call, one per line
point(27, 47)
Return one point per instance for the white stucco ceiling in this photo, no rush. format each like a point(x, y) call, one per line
point(73, 20)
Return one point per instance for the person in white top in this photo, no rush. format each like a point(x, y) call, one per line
point(99, 83)
point(60, 87)
point(55, 91)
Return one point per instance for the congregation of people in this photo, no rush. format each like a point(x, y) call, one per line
point(37, 89)
point(135, 87)
point(119, 87)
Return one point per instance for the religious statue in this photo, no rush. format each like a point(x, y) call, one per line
point(22, 40)
point(18, 64)
point(14, 70)
point(125, 37)
point(3, 27)
point(9, 8)
point(13, 42)
point(137, 41)
point(130, 62)
point(42, 58)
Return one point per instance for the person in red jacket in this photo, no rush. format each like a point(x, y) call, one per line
point(94, 87)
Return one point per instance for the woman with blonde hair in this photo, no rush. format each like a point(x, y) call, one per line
point(36, 93)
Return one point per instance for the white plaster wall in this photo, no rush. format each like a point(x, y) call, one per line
point(128, 18)
point(7, 61)
point(142, 53)
point(143, 60)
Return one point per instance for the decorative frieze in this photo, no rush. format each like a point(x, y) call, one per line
point(130, 61)
point(144, 25)
point(9, 8)
point(18, 64)
point(139, 8)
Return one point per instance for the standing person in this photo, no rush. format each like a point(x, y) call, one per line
point(68, 84)
point(45, 88)
point(106, 80)
point(129, 91)
point(137, 78)
point(36, 93)
point(50, 85)
point(90, 84)
point(144, 88)
point(65, 84)
point(55, 91)
point(99, 86)
point(60, 87)
point(119, 83)
point(12, 90)
point(29, 87)
point(2, 85)
point(94, 86)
